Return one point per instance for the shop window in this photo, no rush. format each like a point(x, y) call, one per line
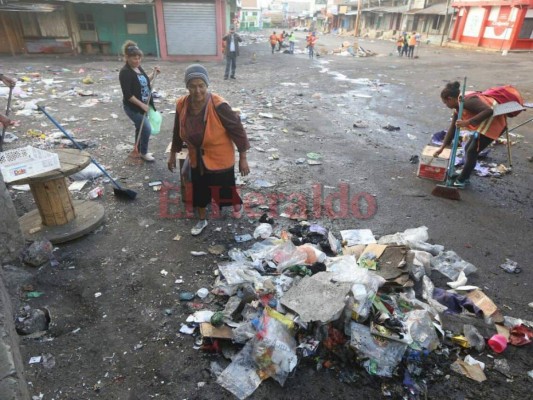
point(527, 29)
point(86, 22)
point(87, 27)
point(136, 23)
point(437, 22)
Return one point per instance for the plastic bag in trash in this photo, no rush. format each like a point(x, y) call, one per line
point(274, 349)
point(434, 249)
point(419, 234)
point(241, 377)
point(383, 354)
point(286, 255)
point(422, 331)
point(89, 172)
point(263, 231)
point(450, 264)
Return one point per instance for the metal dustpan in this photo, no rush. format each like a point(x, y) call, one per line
point(507, 108)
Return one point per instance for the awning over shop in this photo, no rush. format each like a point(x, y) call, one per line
point(395, 10)
point(435, 9)
point(43, 7)
point(29, 7)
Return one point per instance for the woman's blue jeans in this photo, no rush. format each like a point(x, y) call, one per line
point(137, 118)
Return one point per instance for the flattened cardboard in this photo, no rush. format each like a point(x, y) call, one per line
point(473, 372)
point(482, 301)
point(374, 248)
point(222, 332)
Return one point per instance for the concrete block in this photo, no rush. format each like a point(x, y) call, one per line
point(316, 298)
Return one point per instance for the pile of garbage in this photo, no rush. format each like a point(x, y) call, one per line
point(356, 306)
point(353, 49)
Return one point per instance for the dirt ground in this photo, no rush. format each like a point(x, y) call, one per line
point(125, 344)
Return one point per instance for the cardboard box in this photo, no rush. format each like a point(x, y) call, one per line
point(433, 167)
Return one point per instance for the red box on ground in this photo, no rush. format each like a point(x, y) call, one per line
point(433, 168)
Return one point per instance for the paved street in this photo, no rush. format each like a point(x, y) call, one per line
point(125, 343)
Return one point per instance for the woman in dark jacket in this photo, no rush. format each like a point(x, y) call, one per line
point(136, 89)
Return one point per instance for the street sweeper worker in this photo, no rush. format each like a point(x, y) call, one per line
point(477, 117)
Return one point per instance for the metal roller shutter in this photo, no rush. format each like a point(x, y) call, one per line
point(190, 28)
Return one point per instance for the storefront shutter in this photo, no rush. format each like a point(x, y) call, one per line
point(190, 27)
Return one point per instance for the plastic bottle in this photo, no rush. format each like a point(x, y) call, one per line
point(474, 337)
point(498, 343)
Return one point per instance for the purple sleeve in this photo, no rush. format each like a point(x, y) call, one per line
point(231, 121)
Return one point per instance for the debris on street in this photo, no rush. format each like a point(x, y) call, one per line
point(369, 306)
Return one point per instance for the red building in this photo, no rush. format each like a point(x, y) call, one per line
point(494, 24)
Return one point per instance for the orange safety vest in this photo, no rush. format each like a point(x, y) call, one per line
point(412, 40)
point(492, 127)
point(273, 39)
point(217, 150)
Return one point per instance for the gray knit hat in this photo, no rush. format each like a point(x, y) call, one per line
point(195, 71)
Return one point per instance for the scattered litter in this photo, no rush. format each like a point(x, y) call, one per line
point(33, 295)
point(97, 294)
point(188, 330)
point(22, 188)
point(473, 372)
point(391, 128)
point(89, 172)
point(502, 366)
point(243, 238)
point(198, 253)
point(217, 249)
point(511, 267)
point(177, 237)
point(77, 186)
point(163, 272)
point(95, 193)
point(35, 360)
point(498, 343)
point(10, 137)
point(261, 183)
point(314, 156)
point(354, 237)
point(314, 162)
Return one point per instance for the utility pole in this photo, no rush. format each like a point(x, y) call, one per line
point(445, 22)
point(358, 18)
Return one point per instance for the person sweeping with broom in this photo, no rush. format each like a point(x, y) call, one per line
point(137, 100)
point(477, 117)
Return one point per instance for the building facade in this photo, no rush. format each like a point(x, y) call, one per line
point(183, 30)
point(494, 24)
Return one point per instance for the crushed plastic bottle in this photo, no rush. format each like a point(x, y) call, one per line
point(474, 337)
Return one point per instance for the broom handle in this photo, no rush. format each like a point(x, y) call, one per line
point(451, 167)
point(8, 108)
point(144, 117)
point(41, 108)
